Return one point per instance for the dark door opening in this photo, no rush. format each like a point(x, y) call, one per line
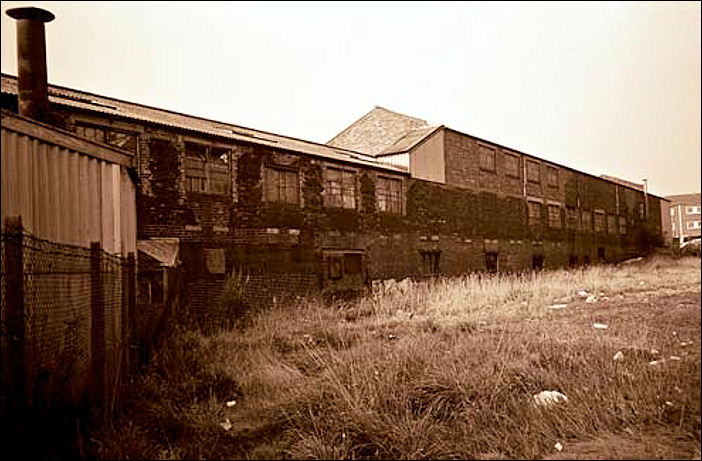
point(537, 262)
point(491, 261)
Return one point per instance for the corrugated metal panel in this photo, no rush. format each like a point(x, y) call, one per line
point(64, 195)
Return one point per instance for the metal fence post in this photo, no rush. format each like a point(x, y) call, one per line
point(97, 330)
point(14, 374)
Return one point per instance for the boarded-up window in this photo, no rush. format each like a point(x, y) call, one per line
point(487, 158)
point(533, 174)
point(512, 165)
point(214, 260)
point(611, 224)
point(491, 261)
point(281, 185)
point(353, 263)
point(551, 176)
point(430, 261)
point(534, 210)
point(622, 225)
point(389, 195)
point(599, 221)
point(341, 188)
point(572, 221)
point(587, 220)
point(554, 216)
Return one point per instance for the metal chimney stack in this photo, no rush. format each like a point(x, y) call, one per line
point(32, 94)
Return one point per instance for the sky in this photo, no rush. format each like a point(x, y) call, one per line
point(605, 88)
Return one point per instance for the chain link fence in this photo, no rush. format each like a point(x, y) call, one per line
point(65, 322)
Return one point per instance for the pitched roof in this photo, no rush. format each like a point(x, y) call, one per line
point(118, 108)
point(684, 198)
point(382, 131)
point(623, 182)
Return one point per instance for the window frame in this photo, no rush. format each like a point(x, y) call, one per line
point(537, 169)
point(289, 173)
point(534, 219)
point(551, 173)
point(599, 217)
point(509, 157)
point(549, 208)
point(484, 149)
point(381, 192)
point(343, 188)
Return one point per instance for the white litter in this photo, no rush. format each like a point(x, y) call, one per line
point(231, 403)
point(656, 362)
point(642, 282)
point(558, 446)
point(685, 343)
point(591, 299)
point(655, 351)
point(674, 357)
point(547, 398)
point(557, 306)
point(226, 425)
point(599, 326)
point(583, 294)
point(669, 403)
point(618, 356)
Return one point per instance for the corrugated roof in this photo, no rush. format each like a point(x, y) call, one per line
point(163, 249)
point(118, 108)
point(382, 131)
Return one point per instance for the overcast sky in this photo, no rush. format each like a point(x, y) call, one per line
point(609, 88)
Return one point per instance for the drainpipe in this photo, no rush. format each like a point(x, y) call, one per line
point(32, 94)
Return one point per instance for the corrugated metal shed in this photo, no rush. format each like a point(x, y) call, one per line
point(67, 189)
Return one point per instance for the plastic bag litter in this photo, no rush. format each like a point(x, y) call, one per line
point(547, 398)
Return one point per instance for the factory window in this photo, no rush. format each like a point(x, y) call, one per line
point(534, 209)
point(572, 218)
point(512, 165)
point(693, 224)
point(551, 177)
point(533, 172)
point(341, 188)
point(599, 221)
point(281, 185)
point(692, 210)
point(554, 216)
point(389, 195)
point(587, 220)
point(206, 169)
point(622, 225)
point(116, 138)
point(611, 224)
point(487, 158)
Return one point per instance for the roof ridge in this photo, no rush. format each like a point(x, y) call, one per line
point(362, 117)
point(401, 114)
point(231, 125)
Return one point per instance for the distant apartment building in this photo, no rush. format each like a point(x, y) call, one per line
point(685, 217)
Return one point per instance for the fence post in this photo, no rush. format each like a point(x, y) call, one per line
point(97, 327)
point(129, 308)
point(14, 374)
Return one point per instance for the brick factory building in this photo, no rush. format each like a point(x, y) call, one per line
point(391, 196)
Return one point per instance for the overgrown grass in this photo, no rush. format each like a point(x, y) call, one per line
point(437, 369)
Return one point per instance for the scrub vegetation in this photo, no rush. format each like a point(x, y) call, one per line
point(442, 368)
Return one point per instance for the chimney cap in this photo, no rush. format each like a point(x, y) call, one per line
point(30, 12)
